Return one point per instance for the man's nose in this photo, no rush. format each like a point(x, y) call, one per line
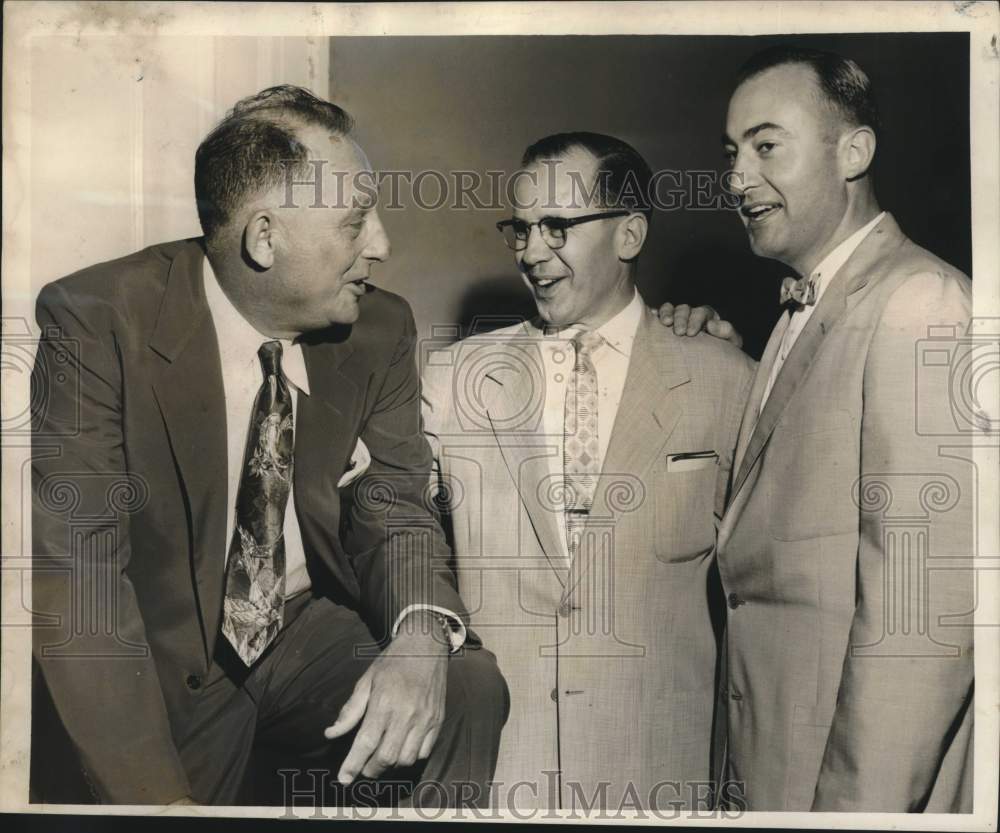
point(536, 250)
point(377, 246)
point(742, 176)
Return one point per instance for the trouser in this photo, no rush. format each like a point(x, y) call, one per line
point(256, 735)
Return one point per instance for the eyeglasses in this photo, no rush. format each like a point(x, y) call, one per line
point(553, 229)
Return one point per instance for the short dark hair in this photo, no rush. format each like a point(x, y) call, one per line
point(846, 86)
point(249, 151)
point(623, 176)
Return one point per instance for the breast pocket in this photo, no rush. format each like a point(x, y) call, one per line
point(684, 503)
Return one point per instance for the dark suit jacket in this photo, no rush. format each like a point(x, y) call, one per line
point(129, 487)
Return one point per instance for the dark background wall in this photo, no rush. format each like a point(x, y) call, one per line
point(474, 103)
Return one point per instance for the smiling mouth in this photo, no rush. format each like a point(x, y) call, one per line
point(545, 283)
point(758, 212)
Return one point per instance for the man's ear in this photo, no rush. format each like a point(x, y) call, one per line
point(258, 239)
point(631, 235)
point(857, 149)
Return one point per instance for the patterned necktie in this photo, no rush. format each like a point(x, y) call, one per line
point(802, 291)
point(581, 449)
point(255, 571)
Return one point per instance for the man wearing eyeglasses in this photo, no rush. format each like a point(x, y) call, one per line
point(584, 456)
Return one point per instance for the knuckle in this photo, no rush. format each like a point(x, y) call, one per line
point(366, 742)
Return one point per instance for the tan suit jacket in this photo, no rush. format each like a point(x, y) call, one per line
point(844, 550)
point(611, 660)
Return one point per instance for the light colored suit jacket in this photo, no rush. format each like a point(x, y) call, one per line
point(844, 550)
point(611, 660)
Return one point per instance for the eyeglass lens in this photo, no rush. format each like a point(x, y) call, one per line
point(516, 234)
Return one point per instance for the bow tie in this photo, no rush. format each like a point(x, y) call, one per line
point(802, 291)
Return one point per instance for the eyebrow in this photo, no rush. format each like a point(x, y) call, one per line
point(354, 214)
point(750, 132)
point(540, 219)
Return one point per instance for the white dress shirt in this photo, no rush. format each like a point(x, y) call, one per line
point(611, 361)
point(821, 276)
point(242, 376)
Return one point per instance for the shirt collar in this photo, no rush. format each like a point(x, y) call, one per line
point(831, 264)
point(618, 331)
point(239, 341)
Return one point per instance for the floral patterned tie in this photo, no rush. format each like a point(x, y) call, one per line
point(581, 449)
point(255, 571)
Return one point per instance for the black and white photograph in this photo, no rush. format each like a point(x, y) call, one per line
point(577, 412)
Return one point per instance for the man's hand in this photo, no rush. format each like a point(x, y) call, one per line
point(401, 697)
point(687, 321)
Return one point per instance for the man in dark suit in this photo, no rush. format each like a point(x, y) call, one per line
point(207, 581)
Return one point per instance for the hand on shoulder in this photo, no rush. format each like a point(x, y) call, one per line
point(688, 321)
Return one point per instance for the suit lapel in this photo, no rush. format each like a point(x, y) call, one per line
point(191, 398)
point(325, 435)
point(647, 415)
point(321, 436)
point(852, 277)
point(752, 410)
point(516, 410)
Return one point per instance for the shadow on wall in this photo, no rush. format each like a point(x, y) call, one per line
point(494, 302)
point(742, 288)
point(667, 96)
point(717, 279)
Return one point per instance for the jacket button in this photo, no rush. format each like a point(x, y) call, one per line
point(735, 601)
point(735, 695)
point(554, 695)
point(193, 682)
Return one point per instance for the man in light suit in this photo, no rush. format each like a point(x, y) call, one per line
point(584, 459)
point(849, 639)
point(187, 499)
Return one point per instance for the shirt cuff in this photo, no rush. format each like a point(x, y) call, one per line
point(456, 627)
